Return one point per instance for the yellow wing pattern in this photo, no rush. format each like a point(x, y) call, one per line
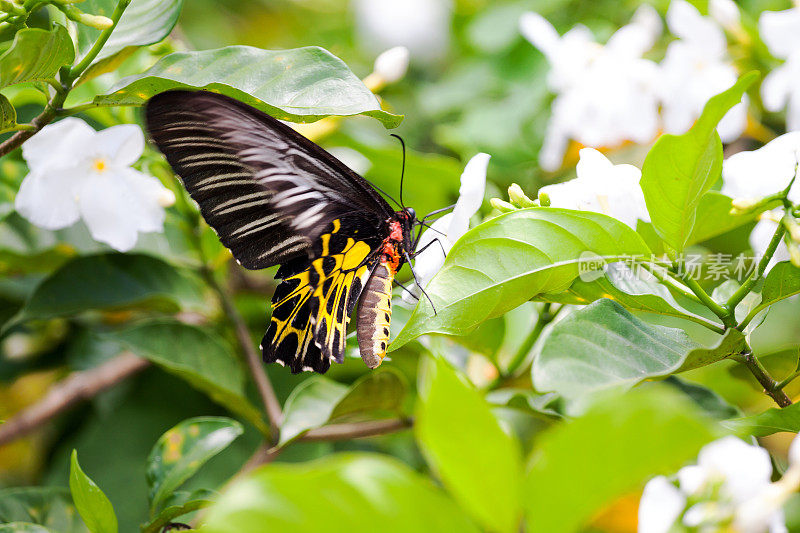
point(311, 307)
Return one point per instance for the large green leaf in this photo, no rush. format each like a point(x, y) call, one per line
point(111, 281)
point(477, 461)
point(36, 55)
point(512, 258)
point(201, 358)
point(50, 507)
point(630, 288)
point(143, 22)
point(181, 451)
point(680, 169)
point(603, 346)
point(92, 504)
point(770, 421)
point(580, 467)
point(357, 493)
point(318, 401)
point(301, 85)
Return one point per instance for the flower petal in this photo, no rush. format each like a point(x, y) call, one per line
point(745, 469)
point(429, 261)
point(776, 88)
point(120, 145)
point(660, 506)
point(47, 198)
point(58, 145)
point(110, 209)
point(150, 198)
point(541, 34)
point(470, 195)
point(685, 21)
point(778, 29)
point(639, 36)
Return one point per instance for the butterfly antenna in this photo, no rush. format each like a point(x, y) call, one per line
point(402, 169)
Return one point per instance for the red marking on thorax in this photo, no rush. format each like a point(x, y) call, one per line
point(391, 255)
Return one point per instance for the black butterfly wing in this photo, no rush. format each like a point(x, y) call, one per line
point(274, 197)
point(267, 191)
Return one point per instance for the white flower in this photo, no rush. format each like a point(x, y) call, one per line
point(422, 26)
point(758, 173)
point(392, 64)
point(660, 506)
point(450, 227)
point(78, 173)
point(694, 69)
point(605, 94)
point(726, 13)
point(602, 187)
point(781, 88)
point(729, 483)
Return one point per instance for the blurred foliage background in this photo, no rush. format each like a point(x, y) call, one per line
point(483, 90)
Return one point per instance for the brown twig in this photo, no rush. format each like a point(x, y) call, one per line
point(357, 430)
point(77, 387)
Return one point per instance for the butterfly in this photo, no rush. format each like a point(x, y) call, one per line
point(276, 198)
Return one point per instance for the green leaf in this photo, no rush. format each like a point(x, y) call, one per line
point(603, 346)
point(203, 359)
point(512, 258)
point(143, 22)
point(714, 217)
point(110, 281)
point(50, 507)
point(300, 85)
point(632, 290)
point(680, 169)
point(8, 115)
point(169, 514)
point(36, 55)
point(318, 401)
point(709, 401)
point(732, 342)
point(181, 451)
point(771, 421)
point(526, 400)
point(782, 282)
point(357, 493)
point(478, 462)
point(92, 504)
point(580, 467)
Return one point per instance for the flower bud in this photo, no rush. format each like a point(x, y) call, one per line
point(392, 64)
point(744, 205)
point(502, 205)
point(791, 225)
point(165, 198)
point(518, 196)
point(544, 199)
point(94, 21)
point(794, 253)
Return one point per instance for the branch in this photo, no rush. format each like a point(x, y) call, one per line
point(772, 388)
point(77, 387)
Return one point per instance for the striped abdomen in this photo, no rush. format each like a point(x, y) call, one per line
point(375, 315)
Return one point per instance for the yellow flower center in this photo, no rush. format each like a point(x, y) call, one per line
point(100, 165)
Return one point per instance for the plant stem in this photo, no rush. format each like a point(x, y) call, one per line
point(68, 77)
point(784, 382)
point(546, 315)
point(748, 284)
point(724, 314)
point(772, 388)
point(84, 63)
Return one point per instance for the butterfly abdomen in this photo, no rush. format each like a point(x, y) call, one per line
point(375, 315)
